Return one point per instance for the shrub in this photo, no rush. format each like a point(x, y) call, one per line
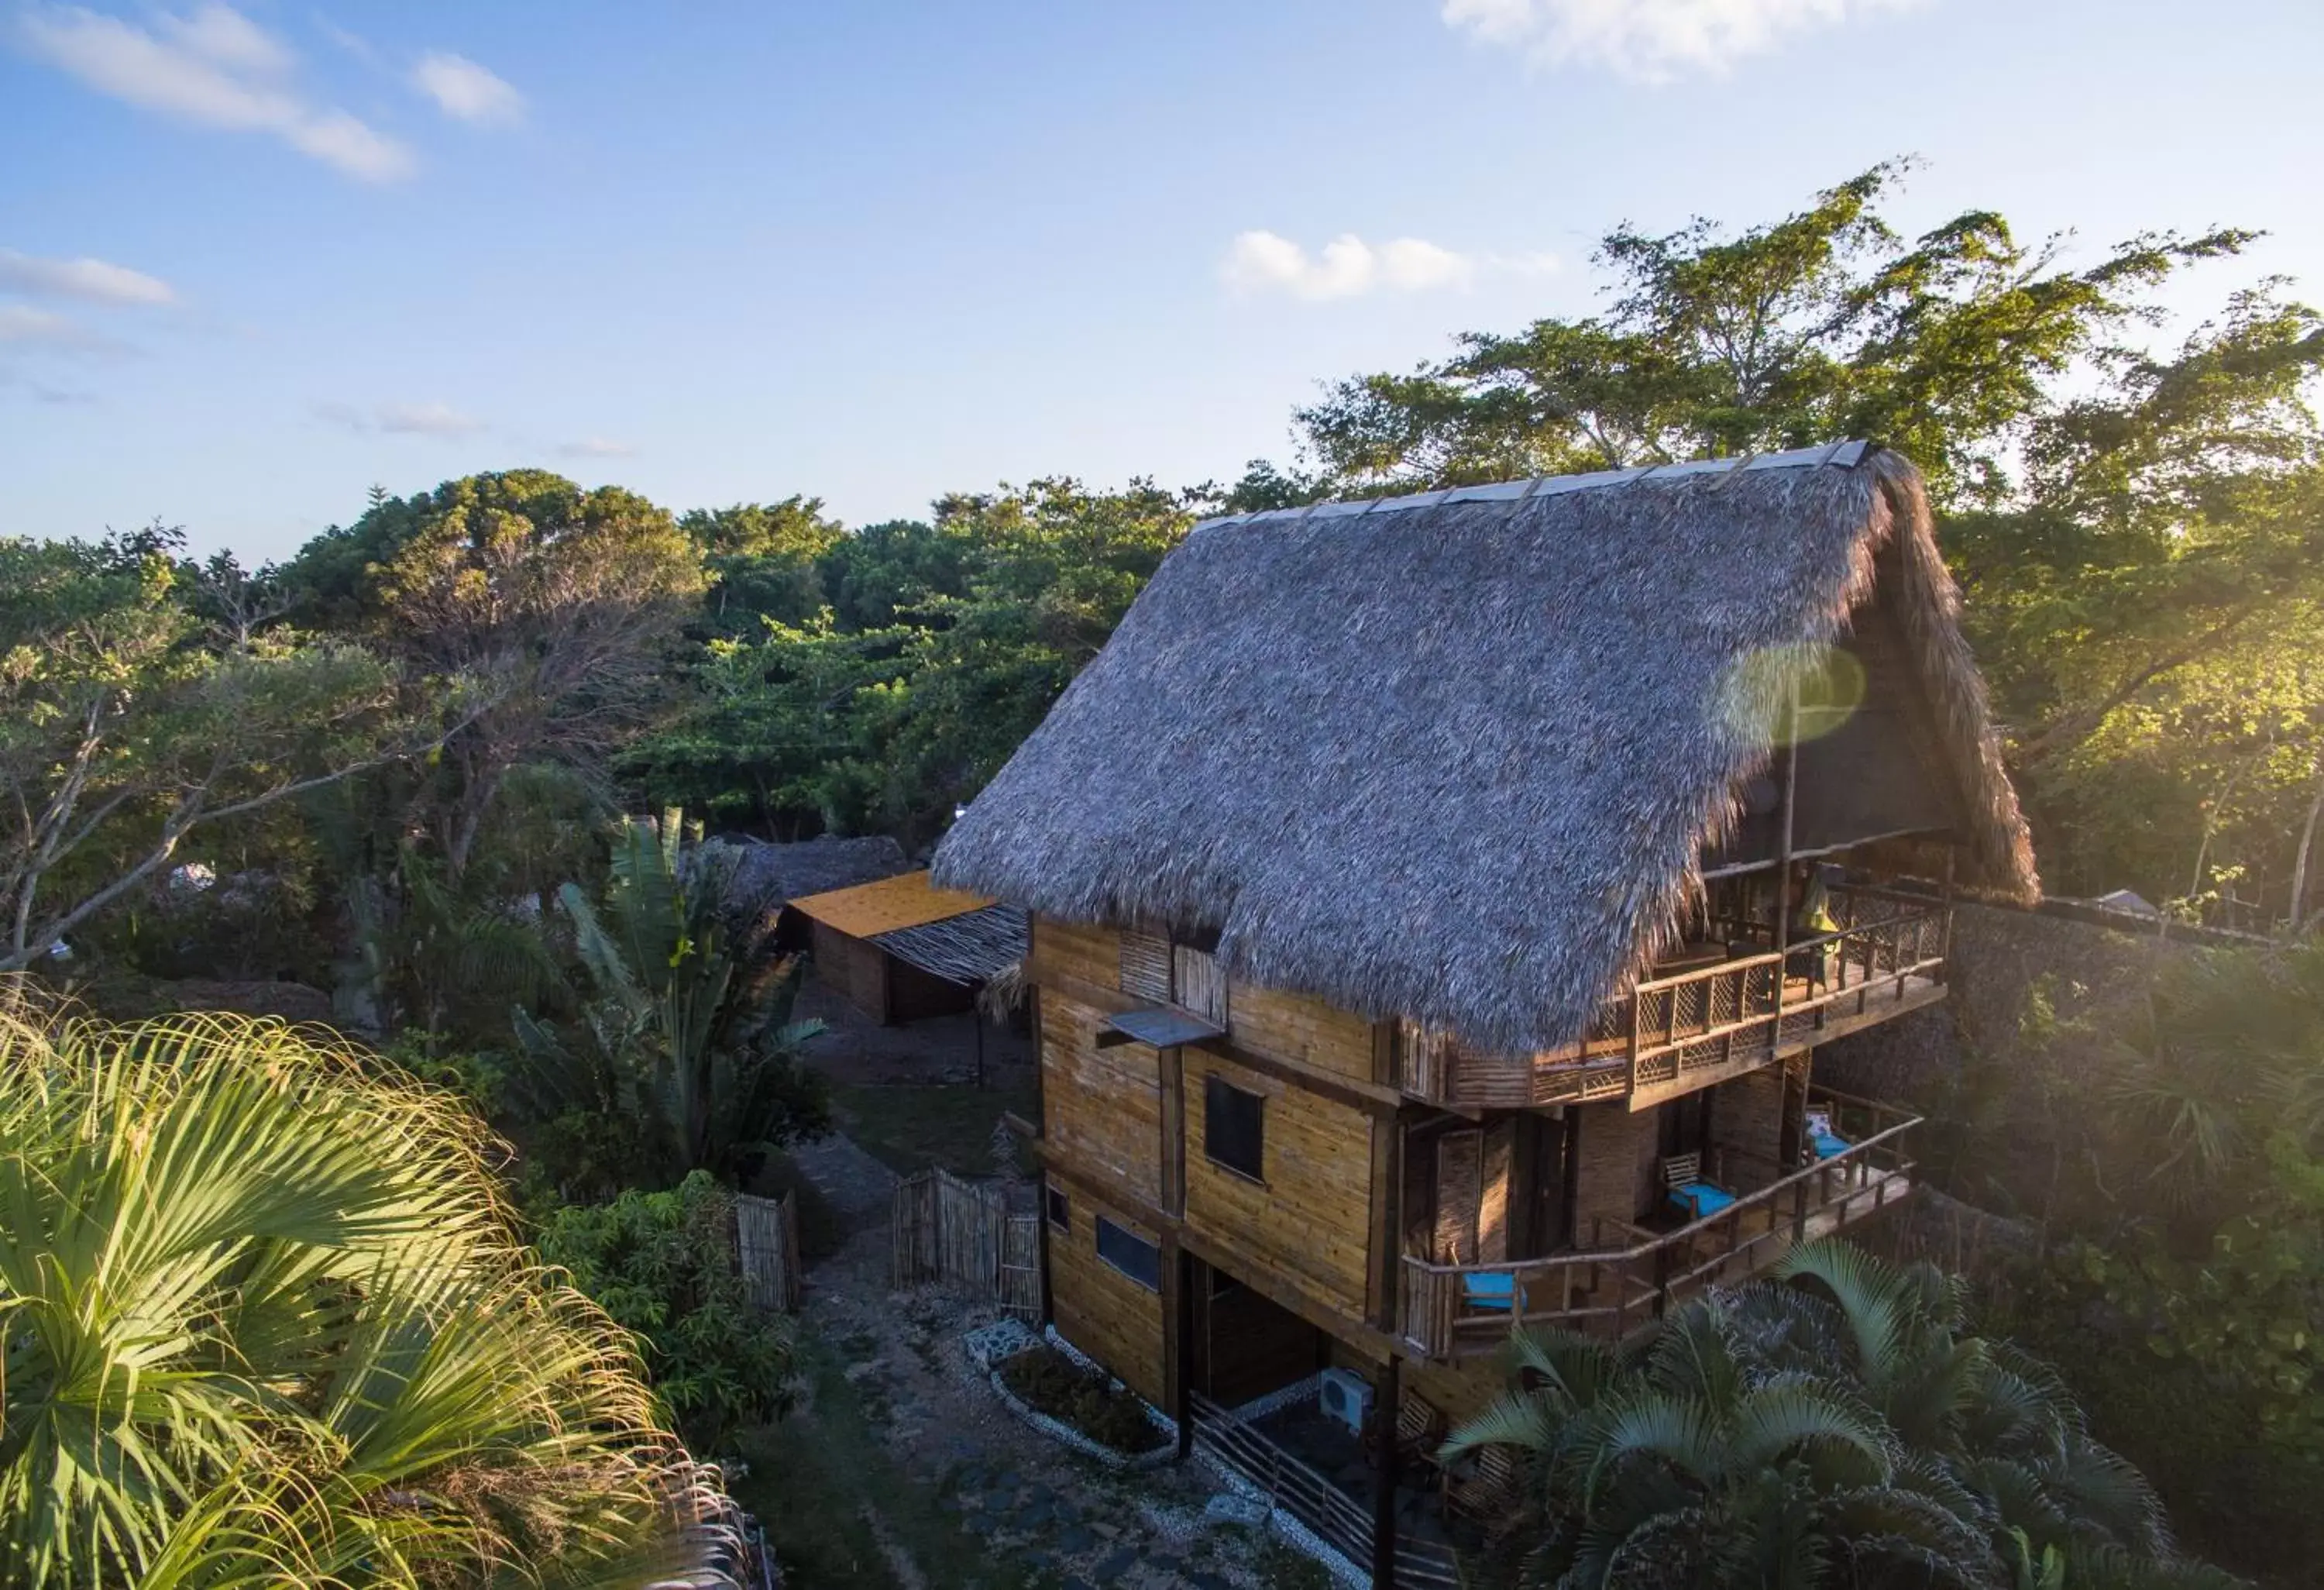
point(662, 1264)
point(1086, 1399)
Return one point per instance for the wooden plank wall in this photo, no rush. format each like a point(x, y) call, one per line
point(1071, 949)
point(1309, 1224)
point(1295, 1027)
point(1098, 1309)
point(1615, 1177)
point(1101, 1108)
point(855, 970)
point(1747, 1123)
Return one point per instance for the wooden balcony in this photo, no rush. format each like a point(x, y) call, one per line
point(1630, 1274)
point(1712, 1014)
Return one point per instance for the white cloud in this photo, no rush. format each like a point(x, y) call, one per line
point(214, 67)
point(24, 327)
point(91, 280)
point(436, 419)
point(1650, 40)
point(1348, 267)
point(466, 91)
point(596, 447)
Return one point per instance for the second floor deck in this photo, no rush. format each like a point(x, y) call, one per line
point(1626, 1273)
point(1715, 1007)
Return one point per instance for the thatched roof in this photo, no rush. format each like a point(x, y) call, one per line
point(1455, 756)
point(760, 877)
point(972, 949)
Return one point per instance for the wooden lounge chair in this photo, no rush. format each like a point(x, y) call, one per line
point(1482, 1485)
point(1695, 1197)
point(1822, 1141)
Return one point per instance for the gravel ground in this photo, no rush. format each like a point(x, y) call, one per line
point(1019, 1499)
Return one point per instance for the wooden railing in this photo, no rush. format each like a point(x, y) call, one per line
point(1723, 1018)
point(1327, 1512)
point(1629, 1275)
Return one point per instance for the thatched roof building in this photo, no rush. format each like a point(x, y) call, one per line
point(1459, 756)
point(759, 877)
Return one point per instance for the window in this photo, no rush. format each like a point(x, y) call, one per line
point(1234, 1127)
point(1130, 1254)
point(1061, 1217)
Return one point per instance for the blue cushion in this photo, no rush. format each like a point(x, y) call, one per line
point(1700, 1198)
point(1827, 1145)
point(1494, 1289)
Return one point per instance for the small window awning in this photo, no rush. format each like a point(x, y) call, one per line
point(1159, 1027)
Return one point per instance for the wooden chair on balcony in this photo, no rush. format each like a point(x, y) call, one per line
point(1695, 1197)
point(1482, 1485)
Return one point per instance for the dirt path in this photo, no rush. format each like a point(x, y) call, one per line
point(987, 1501)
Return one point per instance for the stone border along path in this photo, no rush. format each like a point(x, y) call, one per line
point(1023, 1502)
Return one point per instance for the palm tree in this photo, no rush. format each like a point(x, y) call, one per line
point(263, 1323)
point(1677, 1458)
point(1832, 1424)
point(688, 1032)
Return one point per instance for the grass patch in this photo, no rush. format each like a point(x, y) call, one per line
point(913, 1126)
point(1084, 1398)
point(817, 1477)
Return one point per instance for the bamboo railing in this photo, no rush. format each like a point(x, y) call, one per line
point(1615, 1285)
point(1723, 1018)
point(1291, 1486)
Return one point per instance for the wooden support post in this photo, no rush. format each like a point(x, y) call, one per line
point(1388, 1222)
point(1173, 1070)
point(1385, 1396)
point(1787, 789)
point(1178, 1345)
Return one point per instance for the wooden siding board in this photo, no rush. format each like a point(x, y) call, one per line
point(1076, 951)
point(1102, 1107)
point(1101, 1310)
point(1308, 1224)
point(1296, 1028)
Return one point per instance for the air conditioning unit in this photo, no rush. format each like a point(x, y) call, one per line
point(1345, 1397)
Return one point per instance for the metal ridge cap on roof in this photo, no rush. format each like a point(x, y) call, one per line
point(1842, 454)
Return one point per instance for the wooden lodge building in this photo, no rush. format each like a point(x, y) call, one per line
point(1435, 904)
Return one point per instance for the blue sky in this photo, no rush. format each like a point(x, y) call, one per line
point(253, 259)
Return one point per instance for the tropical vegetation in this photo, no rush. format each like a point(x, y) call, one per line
point(266, 1322)
point(1835, 1423)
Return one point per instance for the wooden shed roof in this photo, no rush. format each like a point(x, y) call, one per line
point(907, 901)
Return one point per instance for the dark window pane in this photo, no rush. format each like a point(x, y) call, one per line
point(1131, 1254)
point(1234, 1127)
point(1060, 1214)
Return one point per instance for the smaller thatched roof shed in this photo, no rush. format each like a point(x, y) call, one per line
point(761, 877)
point(1458, 756)
point(899, 949)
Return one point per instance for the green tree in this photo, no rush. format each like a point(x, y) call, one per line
point(1821, 326)
point(130, 727)
point(686, 1053)
point(945, 645)
point(265, 1324)
point(765, 562)
point(565, 603)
